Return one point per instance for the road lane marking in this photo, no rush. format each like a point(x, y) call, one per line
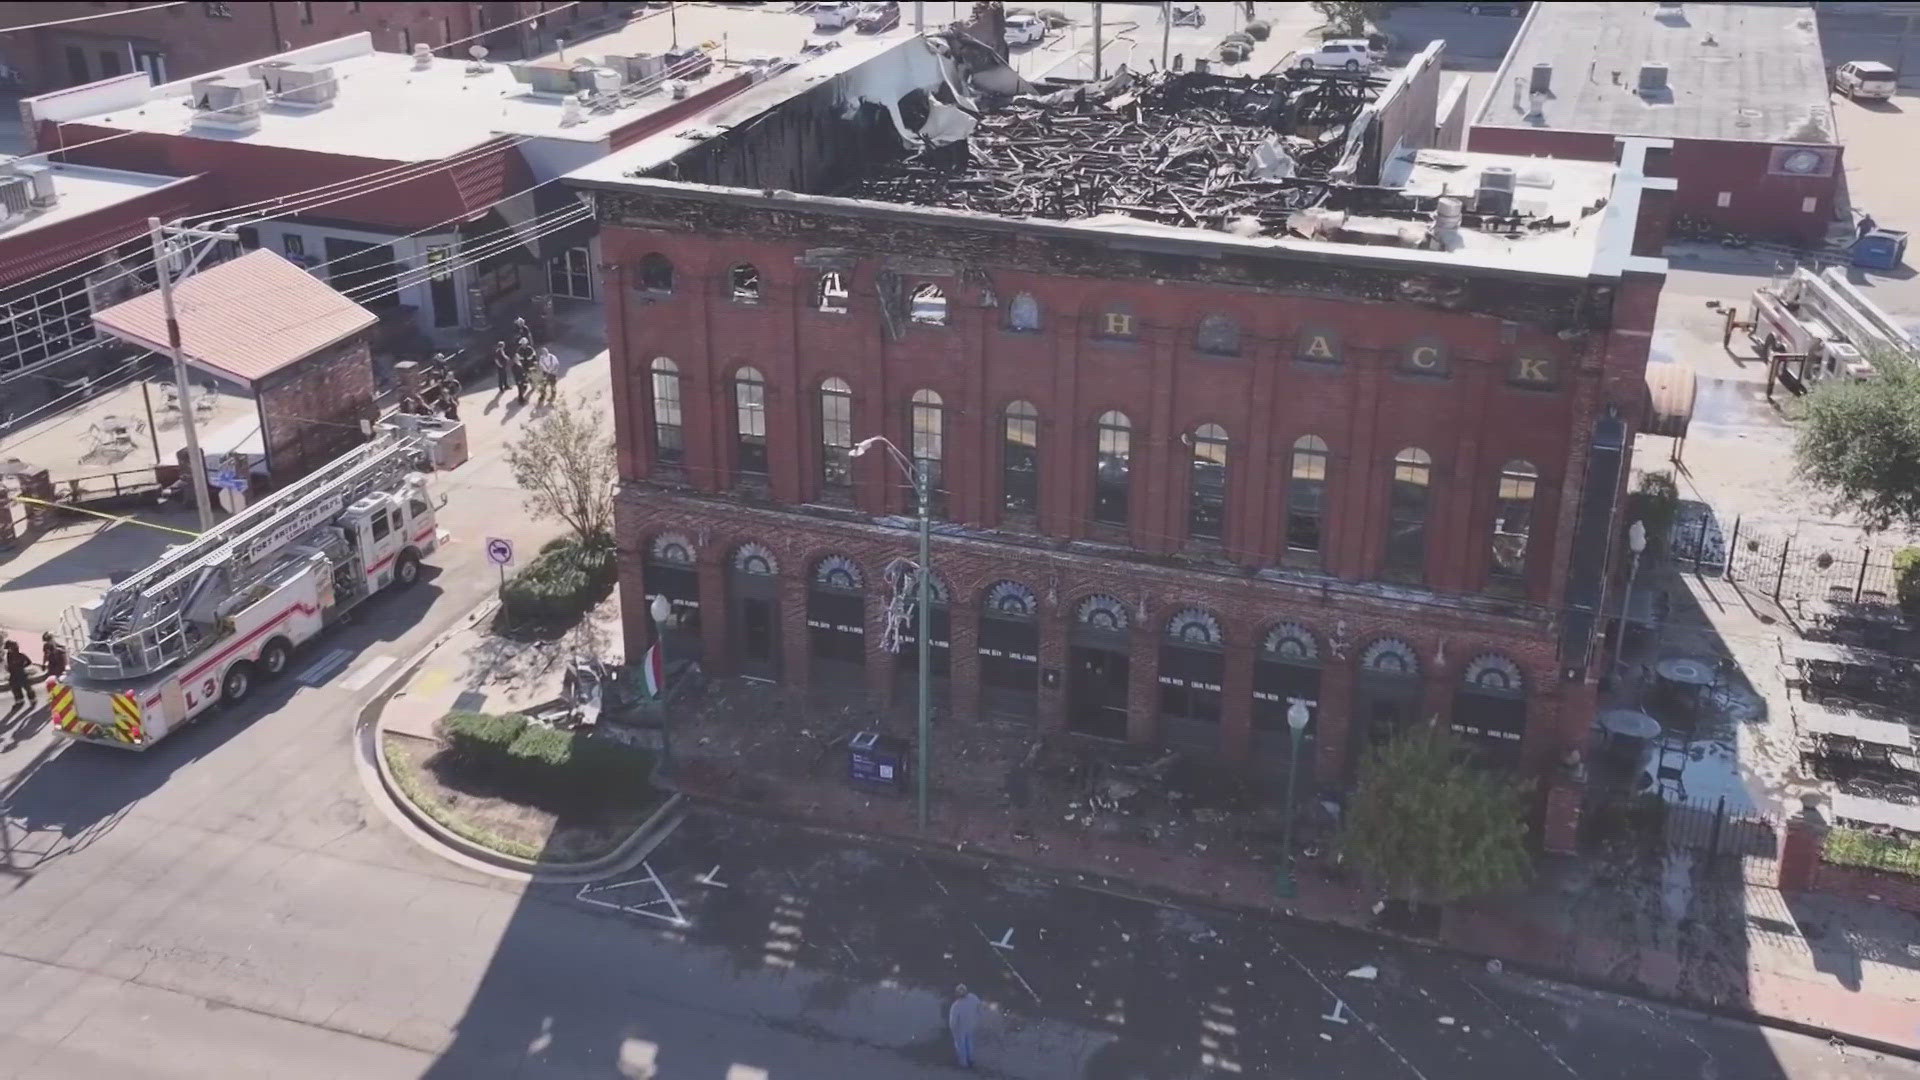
point(711, 878)
point(324, 668)
point(643, 907)
point(367, 672)
point(1005, 942)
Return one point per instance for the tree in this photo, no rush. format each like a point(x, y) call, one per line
point(1430, 826)
point(565, 464)
point(1860, 442)
point(1348, 19)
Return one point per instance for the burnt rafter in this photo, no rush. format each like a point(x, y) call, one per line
point(1181, 148)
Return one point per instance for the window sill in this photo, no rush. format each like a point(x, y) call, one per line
point(1300, 559)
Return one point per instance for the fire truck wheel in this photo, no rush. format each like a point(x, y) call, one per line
point(236, 684)
point(273, 658)
point(407, 570)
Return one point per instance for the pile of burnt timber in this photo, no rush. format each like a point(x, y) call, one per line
point(1180, 148)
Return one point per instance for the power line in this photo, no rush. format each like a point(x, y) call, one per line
point(88, 18)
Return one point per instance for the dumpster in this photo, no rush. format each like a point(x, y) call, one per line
point(1880, 249)
point(876, 760)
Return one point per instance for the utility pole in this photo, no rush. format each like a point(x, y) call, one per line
point(924, 482)
point(1096, 40)
point(163, 250)
point(1166, 35)
point(919, 16)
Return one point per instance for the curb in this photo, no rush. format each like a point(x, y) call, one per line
point(370, 731)
point(1169, 897)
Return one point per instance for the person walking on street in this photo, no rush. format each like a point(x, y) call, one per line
point(549, 375)
point(450, 397)
point(522, 368)
point(522, 331)
point(17, 680)
point(53, 657)
point(502, 368)
point(963, 1016)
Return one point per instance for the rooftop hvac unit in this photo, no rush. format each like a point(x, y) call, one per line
point(1494, 193)
point(39, 183)
point(642, 69)
point(310, 85)
point(545, 77)
point(1653, 79)
point(16, 197)
point(1542, 82)
point(228, 101)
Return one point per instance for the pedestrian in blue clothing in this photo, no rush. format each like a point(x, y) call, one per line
point(963, 1016)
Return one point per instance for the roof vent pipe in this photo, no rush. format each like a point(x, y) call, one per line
point(422, 57)
point(1542, 79)
point(1653, 78)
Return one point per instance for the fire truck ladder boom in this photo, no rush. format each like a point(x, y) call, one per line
point(139, 626)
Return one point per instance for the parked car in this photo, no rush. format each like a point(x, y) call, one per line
point(1353, 54)
point(1510, 10)
point(1025, 30)
point(834, 16)
point(1864, 79)
point(876, 18)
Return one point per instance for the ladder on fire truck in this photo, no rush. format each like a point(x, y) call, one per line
point(146, 622)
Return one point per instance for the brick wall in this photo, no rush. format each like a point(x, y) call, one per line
point(1859, 883)
point(310, 412)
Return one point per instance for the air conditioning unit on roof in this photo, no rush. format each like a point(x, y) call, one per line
point(228, 102)
point(40, 182)
point(312, 86)
point(16, 198)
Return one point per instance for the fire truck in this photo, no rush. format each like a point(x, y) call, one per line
point(212, 618)
point(1818, 325)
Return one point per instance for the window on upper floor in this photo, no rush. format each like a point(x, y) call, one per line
point(743, 284)
point(1023, 313)
point(836, 434)
point(929, 446)
point(1307, 500)
point(1113, 464)
point(1020, 459)
point(1207, 484)
point(655, 274)
point(750, 422)
point(1218, 335)
point(1513, 522)
point(1408, 495)
point(669, 443)
point(928, 305)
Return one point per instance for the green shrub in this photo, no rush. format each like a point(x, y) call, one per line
point(1906, 579)
point(1856, 847)
point(541, 747)
point(562, 582)
point(545, 766)
point(476, 735)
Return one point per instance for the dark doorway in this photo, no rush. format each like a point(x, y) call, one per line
point(1098, 692)
point(837, 623)
point(1192, 666)
point(758, 638)
point(1490, 711)
point(1387, 697)
point(670, 572)
point(1010, 653)
point(1286, 669)
point(906, 661)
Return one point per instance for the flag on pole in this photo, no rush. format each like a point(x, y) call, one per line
point(653, 671)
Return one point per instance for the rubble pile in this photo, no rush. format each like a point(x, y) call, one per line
point(1180, 148)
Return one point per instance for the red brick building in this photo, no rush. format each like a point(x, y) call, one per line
point(1740, 89)
point(187, 39)
point(1367, 460)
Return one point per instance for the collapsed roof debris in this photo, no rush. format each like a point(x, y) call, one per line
point(1180, 148)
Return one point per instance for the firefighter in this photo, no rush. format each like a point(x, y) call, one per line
point(53, 657)
point(17, 681)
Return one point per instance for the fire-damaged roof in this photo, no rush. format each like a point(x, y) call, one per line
point(938, 126)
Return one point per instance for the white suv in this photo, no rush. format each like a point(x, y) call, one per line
point(834, 16)
point(1351, 54)
point(1864, 79)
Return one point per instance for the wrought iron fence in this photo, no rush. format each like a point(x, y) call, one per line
point(1790, 567)
point(1728, 842)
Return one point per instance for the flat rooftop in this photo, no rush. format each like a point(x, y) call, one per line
point(1737, 72)
point(386, 107)
point(82, 190)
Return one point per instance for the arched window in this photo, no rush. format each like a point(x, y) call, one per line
point(669, 442)
point(1219, 335)
point(1407, 513)
point(750, 421)
point(1113, 463)
point(836, 434)
point(743, 284)
point(655, 274)
point(928, 306)
point(1020, 459)
point(1513, 521)
point(929, 446)
point(1207, 501)
point(1307, 499)
point(1023, 313)
point(1490, 709)
point(832, 296)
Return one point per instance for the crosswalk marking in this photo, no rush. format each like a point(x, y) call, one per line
point(367, 672)
point(325, 668)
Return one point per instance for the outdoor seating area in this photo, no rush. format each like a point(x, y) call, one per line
point(1854, 711)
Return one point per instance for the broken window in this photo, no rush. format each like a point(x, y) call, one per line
point(833, 293)
point(929, 305)
point(929, 447)
point(655, 273)
point(1407, 514)
point(744, 282)
point(1207, 506)
point(836, 434)
point(1307, 499)
point(1113, 464)
point(1023, 313)
point(1219, 335)
point(750, 421)
point(1020, 463)
point(1513, 521)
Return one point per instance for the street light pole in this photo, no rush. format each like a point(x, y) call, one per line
point(1297, 717)
point(1636, 543)
point(162, 269)
point(922, 480)
point(661, 609)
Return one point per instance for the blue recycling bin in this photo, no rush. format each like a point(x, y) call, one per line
point(877, 761)
point(1880, 249)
